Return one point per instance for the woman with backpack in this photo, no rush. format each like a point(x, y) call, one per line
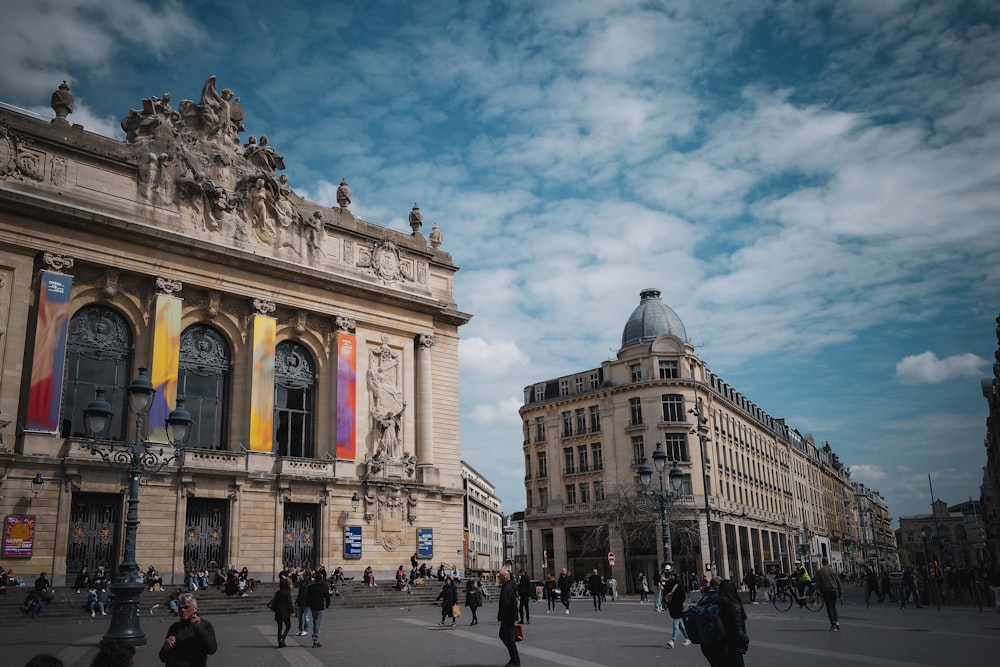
point(728, 651)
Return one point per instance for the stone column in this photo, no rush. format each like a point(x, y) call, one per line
point(425, 410)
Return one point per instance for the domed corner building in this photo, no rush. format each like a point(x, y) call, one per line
point(587, 433)
point(316, 353)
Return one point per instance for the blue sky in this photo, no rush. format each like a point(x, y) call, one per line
point(812, 185)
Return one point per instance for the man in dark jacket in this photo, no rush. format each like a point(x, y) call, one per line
point(190, 640)
point(318, 599)
point(828, 584)
point(596, 585)
point(507, 616)
point(565, 585)
point(305, 616)
point(525, 592)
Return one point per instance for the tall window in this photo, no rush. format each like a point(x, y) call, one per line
point(567, 424)
point(579, 385)
point(595, 419)
point(98, 350)
point(598, 491)
point(543, 497)
point(673, 408)
point(594, 381)
point(563, 387)
point(676, 446)
point(539, 392)
point(597, 456)
point(571, 494)
point(568, 460)
point(543, 465)
point(581, 458)
point(636, 371)
point(294, 397)
point(527, 466)
point(539, 429)
point(584, 493)
point(635, 411)
point(638, 450)
point(203, 381)
point(668, 370)
point(581, 421)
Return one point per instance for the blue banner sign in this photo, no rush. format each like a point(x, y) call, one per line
point(352, 542)
point(425, 542)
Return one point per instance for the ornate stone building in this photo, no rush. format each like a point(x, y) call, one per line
point(990, 489)
point(316, 352)
point(770, 492)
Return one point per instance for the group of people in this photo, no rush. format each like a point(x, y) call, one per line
point(312, 599)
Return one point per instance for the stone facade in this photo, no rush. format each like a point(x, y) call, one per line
point(280, 321)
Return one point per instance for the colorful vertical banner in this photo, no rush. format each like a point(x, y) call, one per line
point(347, 377)
point(262, 384)
point(166, 359)
point(49, 360)
point(18, 536)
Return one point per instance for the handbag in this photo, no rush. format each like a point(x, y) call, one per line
point(456, 611)
point(518, 632)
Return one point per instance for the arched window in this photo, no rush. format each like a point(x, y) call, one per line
point(294, 397)
point(98, 354)
point(203, 381)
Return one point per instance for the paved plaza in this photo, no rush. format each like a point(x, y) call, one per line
point(624, 633)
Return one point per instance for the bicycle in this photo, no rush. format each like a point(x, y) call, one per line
point(786, 595)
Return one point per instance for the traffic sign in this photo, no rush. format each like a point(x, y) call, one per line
point(611, 558)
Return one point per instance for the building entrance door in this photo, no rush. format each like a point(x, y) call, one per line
point(205, 528)
point(94, 531)
point(298, 537)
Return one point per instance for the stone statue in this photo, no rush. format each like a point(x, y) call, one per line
point(315, 232)
point(343, 194)
point(62, 103)
point(436, 237)
point(387, 404)
point(416, 219)
point(259, 200)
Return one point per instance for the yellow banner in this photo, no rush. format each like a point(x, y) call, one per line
point(262, 384)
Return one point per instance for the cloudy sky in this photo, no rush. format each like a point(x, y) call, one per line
point(813, 186)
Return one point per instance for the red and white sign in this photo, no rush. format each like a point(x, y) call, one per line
point(611, 558)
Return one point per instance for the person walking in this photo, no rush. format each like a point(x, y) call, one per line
point(507, 616)
point(673, 597)
point(828, 584)
point(525, 593)
point(729, 651)
point(449, 598)
point(750, 581)
point(305, 614)
point(565, 585)
point(283, 607)
point(550, 592)
point(871, 584)
point(595, 583)
point(643, 588)
point(318, 599)
point(474, 600)
point(190, 640)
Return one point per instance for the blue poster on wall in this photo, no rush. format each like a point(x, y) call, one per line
point(352, 542)
point(425, 542)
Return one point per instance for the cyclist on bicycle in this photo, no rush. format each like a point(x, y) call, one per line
point(802, 581)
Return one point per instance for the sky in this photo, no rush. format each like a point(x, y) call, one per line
point(812, 185)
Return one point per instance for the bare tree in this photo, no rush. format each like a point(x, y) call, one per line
point(627, 513)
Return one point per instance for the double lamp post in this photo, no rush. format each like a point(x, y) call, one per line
point(136, 458)
point(664, 497)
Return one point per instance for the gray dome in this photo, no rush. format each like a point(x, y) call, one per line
point(651, 318)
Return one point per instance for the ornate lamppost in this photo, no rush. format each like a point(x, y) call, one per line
point(135, 458)
point(701, 430)
point(665, 498)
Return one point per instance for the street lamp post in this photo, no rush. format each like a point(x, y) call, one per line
point(663, 497)
point(135, 458)
point(701, 429)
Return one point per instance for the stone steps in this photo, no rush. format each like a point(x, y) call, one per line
point(68, 605)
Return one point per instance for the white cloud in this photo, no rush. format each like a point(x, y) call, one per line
point(481, 357)
point(871, 475)
point(503, 411)
point(927, 368)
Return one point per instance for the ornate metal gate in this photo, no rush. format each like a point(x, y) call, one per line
point(298, 538)
point(94, 529)
point(205, 534)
